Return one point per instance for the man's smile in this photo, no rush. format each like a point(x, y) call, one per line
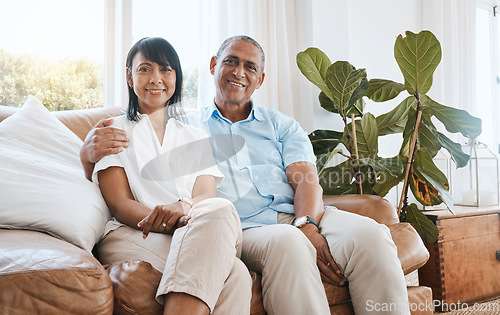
point(235, 83)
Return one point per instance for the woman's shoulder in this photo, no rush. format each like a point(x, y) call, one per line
point(121, 121)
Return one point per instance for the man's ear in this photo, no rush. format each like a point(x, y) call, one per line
point(213, 63)
point(261, 79)
point(129, 78)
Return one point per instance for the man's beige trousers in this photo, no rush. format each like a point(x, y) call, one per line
point(291, 281)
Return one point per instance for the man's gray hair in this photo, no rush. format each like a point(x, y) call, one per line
point(245, 38)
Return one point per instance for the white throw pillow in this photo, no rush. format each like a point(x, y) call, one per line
point(42, 183)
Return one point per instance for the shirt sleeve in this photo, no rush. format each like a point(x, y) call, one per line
point(104, 163)
point(296, 144)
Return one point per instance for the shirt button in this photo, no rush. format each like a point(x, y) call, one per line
point(256, 177)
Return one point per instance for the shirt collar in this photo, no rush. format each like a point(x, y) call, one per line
point(212, 110)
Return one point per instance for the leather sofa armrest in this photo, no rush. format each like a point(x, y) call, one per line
point(371, 206)
point(412, 252)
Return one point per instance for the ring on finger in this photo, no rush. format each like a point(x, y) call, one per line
point(328, 265)
point(164, 224)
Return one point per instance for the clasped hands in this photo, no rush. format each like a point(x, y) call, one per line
point(165, 219)
point(329, 270)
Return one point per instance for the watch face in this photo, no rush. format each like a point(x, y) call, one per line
point(300, 222)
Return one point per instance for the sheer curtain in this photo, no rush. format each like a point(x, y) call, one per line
point(453, 22)
point(273, 24)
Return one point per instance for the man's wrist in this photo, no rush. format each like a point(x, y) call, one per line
point(302, 221)
point(309, 229)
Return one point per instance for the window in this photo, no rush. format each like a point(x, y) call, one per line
point(54, 50)
point(488, 71)
point(127, 21)
point(179, 23)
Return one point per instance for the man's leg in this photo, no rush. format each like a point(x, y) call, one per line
point(364, 250)
point(291, 283)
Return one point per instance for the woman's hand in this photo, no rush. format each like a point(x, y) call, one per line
point(165, 219)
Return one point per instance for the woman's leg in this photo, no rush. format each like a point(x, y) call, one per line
point(126, 243)
point(201, 261)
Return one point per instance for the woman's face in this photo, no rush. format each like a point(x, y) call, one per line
point(153, 84)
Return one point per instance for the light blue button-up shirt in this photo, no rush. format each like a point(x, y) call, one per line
point(253, 155)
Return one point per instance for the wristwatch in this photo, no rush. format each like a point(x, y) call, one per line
point(302, 221)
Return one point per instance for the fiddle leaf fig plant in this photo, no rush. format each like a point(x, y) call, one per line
point(342, 91)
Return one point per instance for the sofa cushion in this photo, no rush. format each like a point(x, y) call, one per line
point(42, 184)
point(40, 274)
point(134, 285)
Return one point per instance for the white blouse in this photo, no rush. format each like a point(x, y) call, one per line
point(161, 173)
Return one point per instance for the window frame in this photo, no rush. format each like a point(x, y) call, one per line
point(118, 39)
point(493, 6)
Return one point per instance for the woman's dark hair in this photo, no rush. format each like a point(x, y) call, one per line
point(163, 53)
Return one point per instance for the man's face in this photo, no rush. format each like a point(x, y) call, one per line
point(237, 73)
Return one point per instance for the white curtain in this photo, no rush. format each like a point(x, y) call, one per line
point(453, 22)
point(273, 24)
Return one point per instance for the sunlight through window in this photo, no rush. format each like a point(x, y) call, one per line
point(53, 50)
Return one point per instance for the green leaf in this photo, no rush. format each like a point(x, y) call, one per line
point(366, 136)
point(427, 230)
point(454, 120)
point(324, 141)
point(358, 93)
point(418, 56)
point(357, 108)
point(323, 159)
point(457, 154)
point(391, 165)
point(408, 133)
point(313, 63)
point(383, 90)
point(385, 182)
point(327, 103)
point(342, 79)
point(425, 137)
point(395, 120)
point(443, 192)
point(426, 193)
point(340, 175)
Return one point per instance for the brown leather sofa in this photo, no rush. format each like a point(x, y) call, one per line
point(40, 274)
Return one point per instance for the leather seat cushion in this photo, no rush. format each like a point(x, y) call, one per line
point(47, 275)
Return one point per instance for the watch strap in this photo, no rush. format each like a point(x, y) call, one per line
point(311, 220)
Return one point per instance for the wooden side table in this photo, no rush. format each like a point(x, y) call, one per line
point(464, 264)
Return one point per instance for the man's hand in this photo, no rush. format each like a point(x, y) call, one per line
point(329, 270)
point(101, 141)
point(164, 219)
